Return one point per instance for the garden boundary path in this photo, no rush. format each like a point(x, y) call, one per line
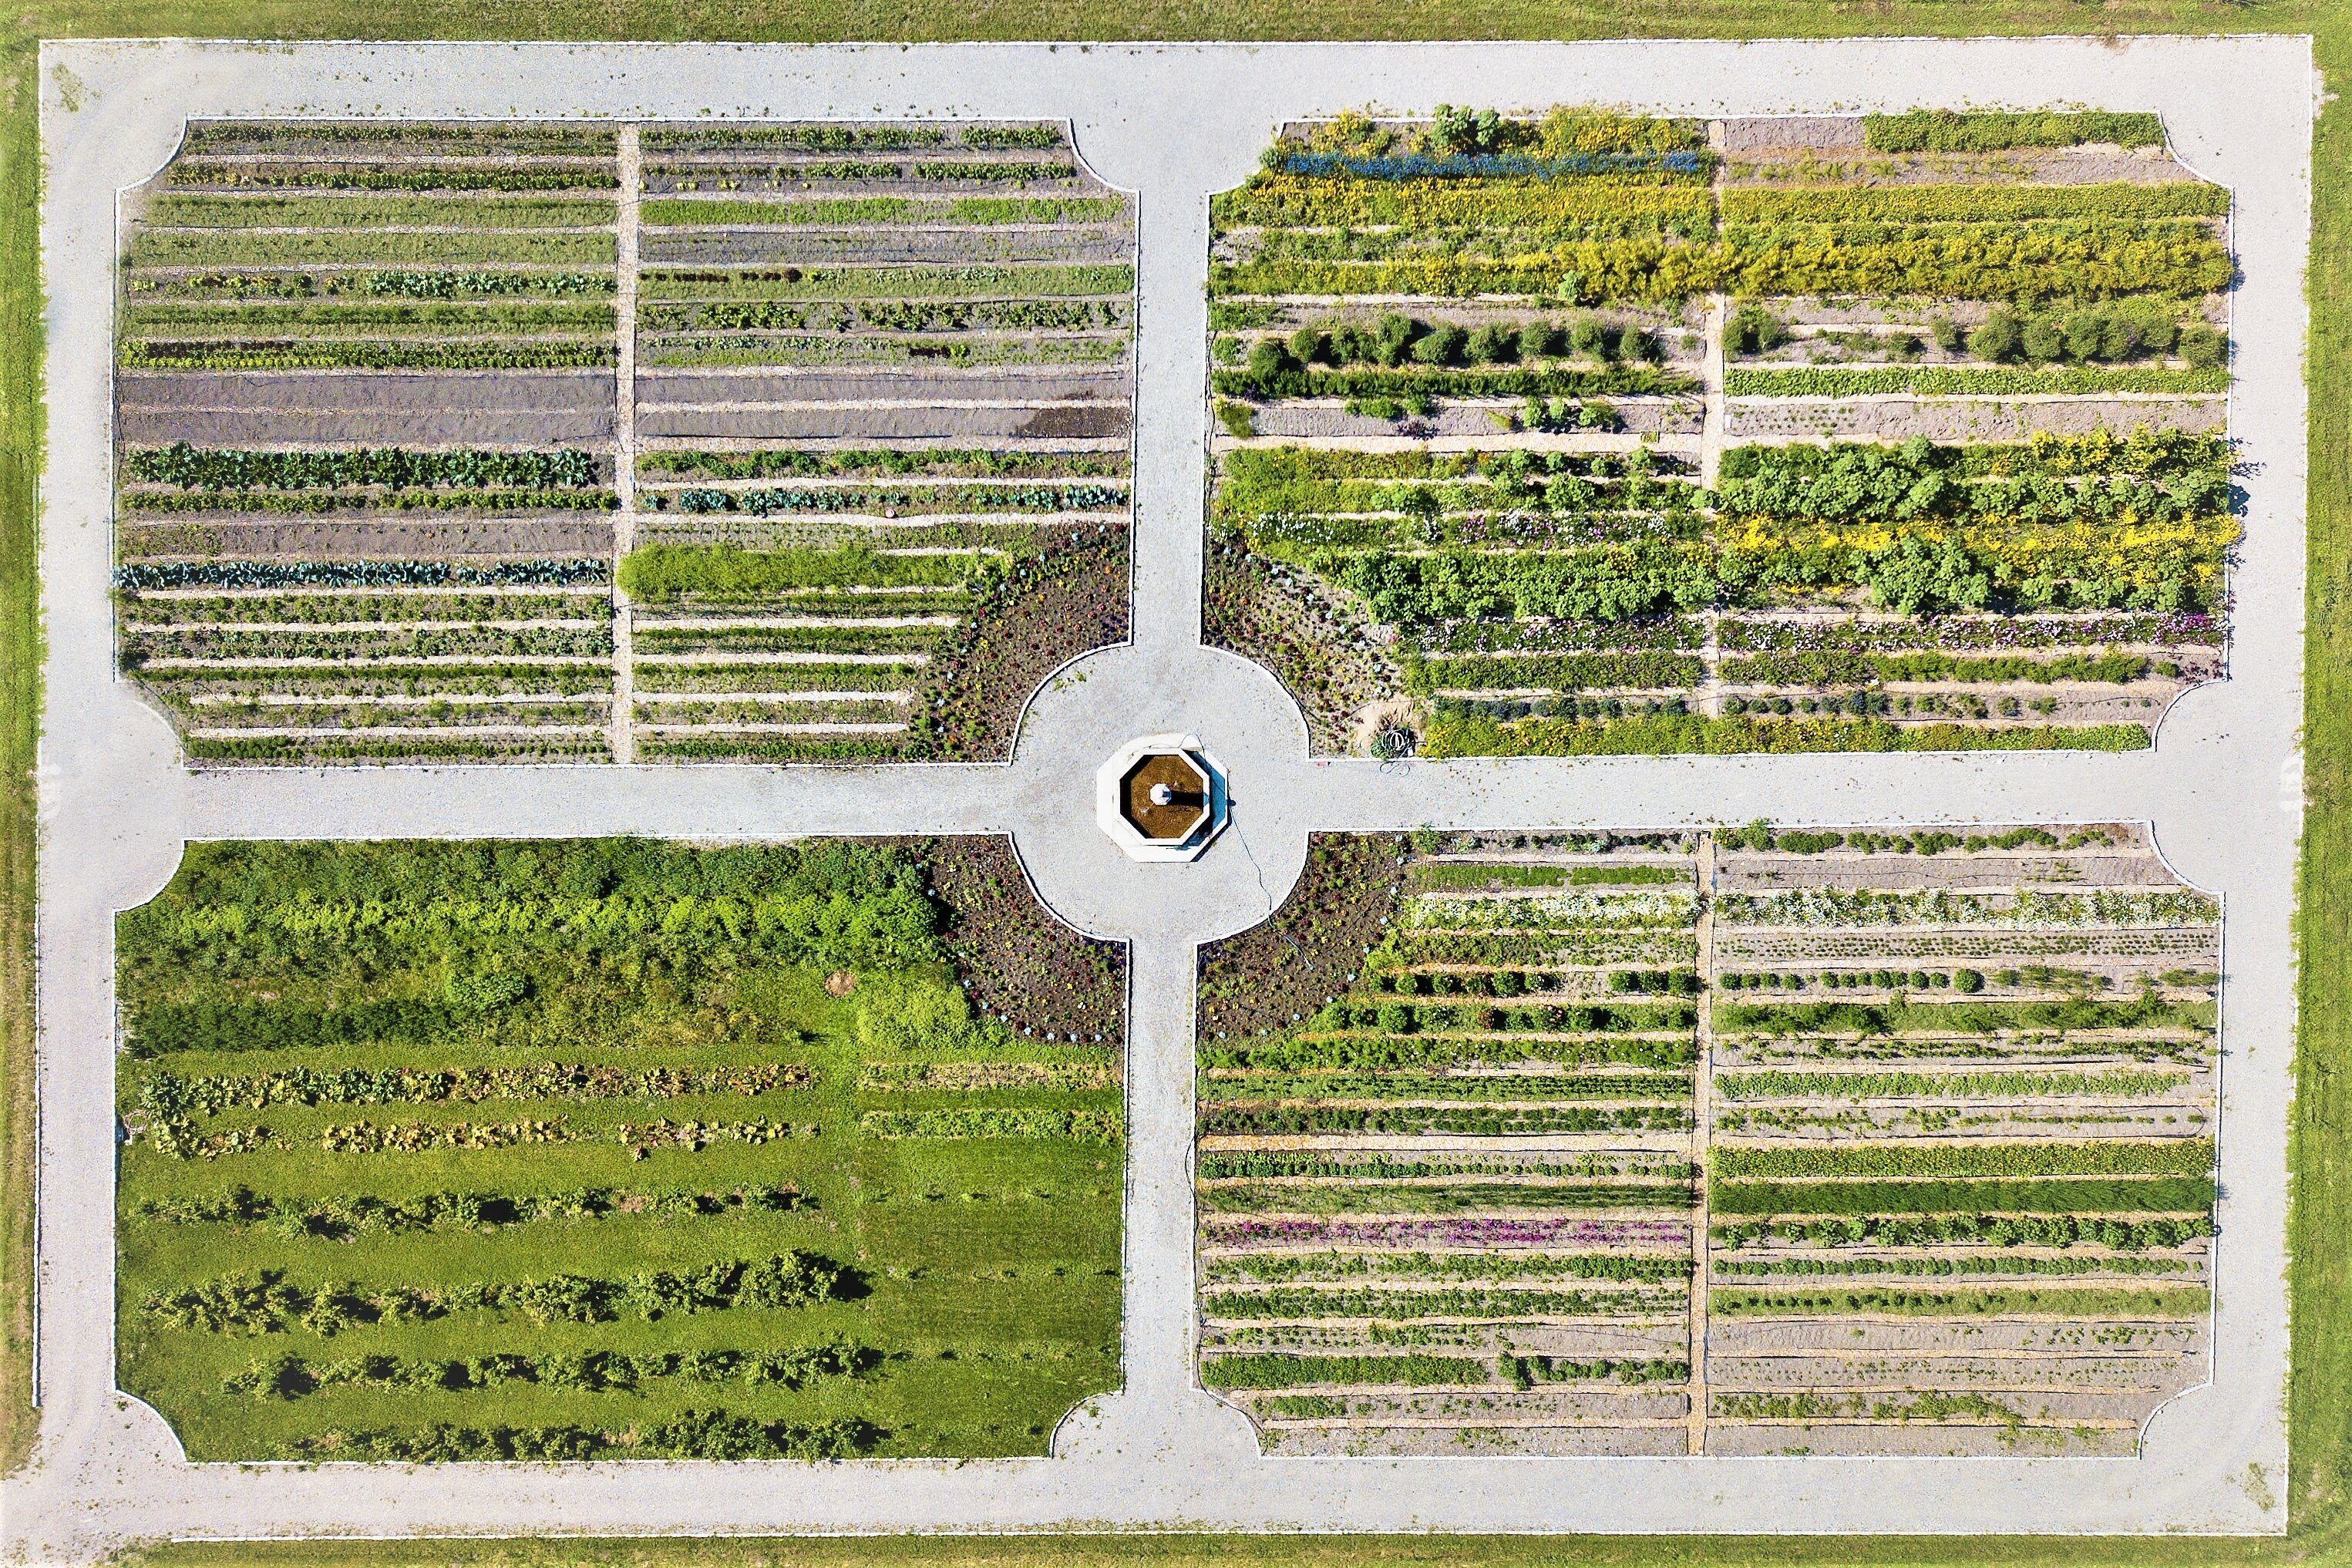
point(2222, 789)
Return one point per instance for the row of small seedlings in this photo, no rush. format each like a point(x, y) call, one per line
point(1601, 435)
point(539, 442)
point(1738, 1142)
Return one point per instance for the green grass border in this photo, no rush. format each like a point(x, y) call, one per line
point(2320, 1388)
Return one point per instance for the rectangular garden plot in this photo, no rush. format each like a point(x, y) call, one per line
point(1961, 1166)
point(365, 407)
point(886, 391)
point(1953, 1093)
point(1452, 1210)
point(1603, 434)
point(615, 1147)
point(544, 442)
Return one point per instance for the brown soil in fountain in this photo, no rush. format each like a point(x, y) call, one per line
point(1188, 803)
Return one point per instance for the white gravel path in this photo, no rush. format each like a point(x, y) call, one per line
point(1173, 123)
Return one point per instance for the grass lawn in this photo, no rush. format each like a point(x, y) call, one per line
point(602, 1097)
point(2321, 1392)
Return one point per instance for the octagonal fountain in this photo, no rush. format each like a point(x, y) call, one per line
point(1161, 797)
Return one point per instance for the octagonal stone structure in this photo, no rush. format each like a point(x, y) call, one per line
point(1161, 797)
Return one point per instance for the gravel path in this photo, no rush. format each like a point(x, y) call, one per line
point(1173, 123)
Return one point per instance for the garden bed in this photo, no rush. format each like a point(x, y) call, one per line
point(615, 1148)
point(353, 360)
point(1953, 1093)
point(1961, 385)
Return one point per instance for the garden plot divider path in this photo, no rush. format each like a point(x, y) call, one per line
point(2222, 790)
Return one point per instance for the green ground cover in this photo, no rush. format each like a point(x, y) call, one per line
point(568, 1148)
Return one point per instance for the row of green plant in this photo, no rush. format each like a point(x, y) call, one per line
point(2125, 1083)
point(707, 1435)
point(218, 469)
point(1077, 1126)
point(837, 137)
point(1049, 315)
point(1966, 981)
point(1534, 210)
point(363, 212)
point(384, 248)
point(402, 177)
point(2112, 1301)
point(885, 282)
point(1276, 1267)
point(1409, 1016)
point(2001, 1230)
point(1283, 1369)
point(1383, 1052)
point(1424, 1121)
point(898, 211)
point(1800, 1267)
point(361, 137)
point(1298, 1301)
point(2184, 1157)
point(1759, 836)
point(932, 462)
point(1970, 203)
point(311, 503)
point(481, 317)
point(1405, 1084)
point(1991, 129)
point(327, 354)
point(368, 284)
point(1517, 982)
point(1742, 736)
point(2077, 1196)
point(1971, 381)
point(260, 1302)
point(661, 571)
point(289, 1377)
point(2090, 258)
point(339, 1216)
point(163, 1093)
point(1901, 1016)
